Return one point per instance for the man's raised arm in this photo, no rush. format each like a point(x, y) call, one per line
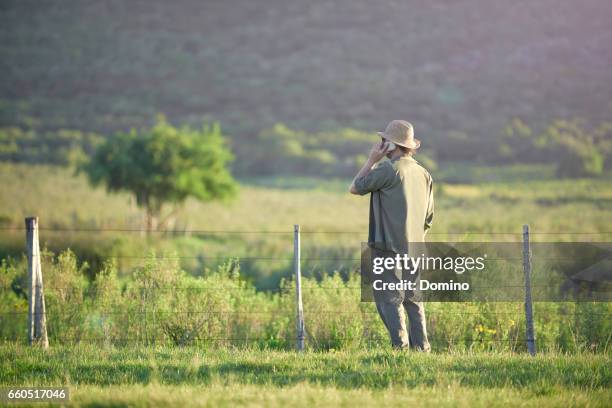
point(377, 152)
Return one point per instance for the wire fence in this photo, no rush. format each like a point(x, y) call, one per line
point(314, 314)
point(287, 232)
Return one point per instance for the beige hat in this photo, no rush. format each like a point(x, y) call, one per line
point(401, 133)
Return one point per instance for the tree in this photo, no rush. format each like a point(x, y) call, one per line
point(164, 165)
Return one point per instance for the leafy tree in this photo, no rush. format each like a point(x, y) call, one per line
point(163, 165)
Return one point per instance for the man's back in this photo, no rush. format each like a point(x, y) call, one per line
point(402, 202)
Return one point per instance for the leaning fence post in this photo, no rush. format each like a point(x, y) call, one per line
point(530, 334)
point(298, 288)
point(37, 321)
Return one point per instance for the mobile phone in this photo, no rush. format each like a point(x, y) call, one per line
point(390, 146)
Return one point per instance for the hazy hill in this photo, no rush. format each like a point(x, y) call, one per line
point(458, 69)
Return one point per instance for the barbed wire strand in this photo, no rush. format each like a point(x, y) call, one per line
point(275, 232)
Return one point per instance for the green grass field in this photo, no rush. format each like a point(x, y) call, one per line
point(222, 375)
point(211, 377)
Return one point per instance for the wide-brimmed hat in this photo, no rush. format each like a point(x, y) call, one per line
point(401, 133)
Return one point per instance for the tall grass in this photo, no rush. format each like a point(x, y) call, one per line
point(160, 304)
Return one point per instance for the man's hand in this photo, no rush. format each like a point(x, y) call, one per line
point(378, 151)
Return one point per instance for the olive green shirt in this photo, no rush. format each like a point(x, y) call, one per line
point(401, 204)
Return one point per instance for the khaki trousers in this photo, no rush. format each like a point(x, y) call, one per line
point(393, 316)
point(393, 306)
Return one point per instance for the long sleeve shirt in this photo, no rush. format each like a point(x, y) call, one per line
point(401, 203)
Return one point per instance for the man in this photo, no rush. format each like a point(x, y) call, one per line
point(401, 211)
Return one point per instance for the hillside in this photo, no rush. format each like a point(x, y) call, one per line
point(459, 69)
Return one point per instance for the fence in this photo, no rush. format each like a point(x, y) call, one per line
point(36, 314)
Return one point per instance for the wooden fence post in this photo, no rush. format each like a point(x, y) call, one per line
point(298, 288)
point(37, 321)
point(530, 332)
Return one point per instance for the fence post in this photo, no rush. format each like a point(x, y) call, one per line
point(530, 333)
point(298, 288)
point(37, 321)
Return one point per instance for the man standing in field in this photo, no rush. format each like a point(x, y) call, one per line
point(401, 211)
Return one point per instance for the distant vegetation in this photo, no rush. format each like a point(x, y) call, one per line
point(300, 90)
point(62, 147)
point(577, 149)
point(459, 70)
point(288, 152)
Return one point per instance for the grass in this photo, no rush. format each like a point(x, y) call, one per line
point(200, 376)
point(63, 200)
point(309, 395)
